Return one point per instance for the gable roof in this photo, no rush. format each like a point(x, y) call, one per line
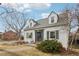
point(43, 23)
point(33, 20)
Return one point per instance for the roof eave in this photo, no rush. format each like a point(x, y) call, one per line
point(45, 27)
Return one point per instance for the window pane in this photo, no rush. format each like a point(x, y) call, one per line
point(52, 19)
point(29, 35)
point(52, 34)
point(30, 24)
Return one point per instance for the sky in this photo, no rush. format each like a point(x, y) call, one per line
point(35, 10)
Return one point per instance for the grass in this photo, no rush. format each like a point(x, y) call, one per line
point(75, 46)
point(33, 52)
point(28, 51)
point(10, 46)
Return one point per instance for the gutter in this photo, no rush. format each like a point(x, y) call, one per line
point(45, 27)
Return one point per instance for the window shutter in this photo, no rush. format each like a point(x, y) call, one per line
point(47, 35)
point(57, 34)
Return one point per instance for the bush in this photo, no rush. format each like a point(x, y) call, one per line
point(50, 46)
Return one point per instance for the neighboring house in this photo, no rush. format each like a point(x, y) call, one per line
point(53, 27)
point(9, 35)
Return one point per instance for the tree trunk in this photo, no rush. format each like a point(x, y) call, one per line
point(73, 38)
point(76, 39)
point(19, 37)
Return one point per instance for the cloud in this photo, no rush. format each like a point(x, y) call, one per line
point(40, 5)
point(44, 15)
point(48, 5)
point(27, 10)
point(22, 6)
point(26, 5)
point(36, 5)
point(17, 6)
point(58, 12)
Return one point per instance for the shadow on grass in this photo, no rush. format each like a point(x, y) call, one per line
point(9, 52)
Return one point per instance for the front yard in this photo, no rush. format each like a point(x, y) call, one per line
point(20, 50)
point(27, 50)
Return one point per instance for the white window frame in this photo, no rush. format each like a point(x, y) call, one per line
point(29, 34)
point(49, 34)
point(52, 19)
point(55, 35)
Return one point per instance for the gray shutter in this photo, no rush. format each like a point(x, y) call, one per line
point(47, 35)
point(57, 34)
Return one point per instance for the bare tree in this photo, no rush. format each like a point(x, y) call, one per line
point(69, 15)
point(16, 21)
point(77, 16)
point(73, 16)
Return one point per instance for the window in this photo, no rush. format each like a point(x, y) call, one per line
point(29, 35)
point(30, 24)
point(52, 19)
point(53, 34)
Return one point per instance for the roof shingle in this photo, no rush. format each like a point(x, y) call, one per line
point(43, 23)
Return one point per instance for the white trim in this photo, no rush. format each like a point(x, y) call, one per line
point(55, 18)
point(49, 34)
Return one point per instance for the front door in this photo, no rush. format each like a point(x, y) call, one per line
point(38, 35)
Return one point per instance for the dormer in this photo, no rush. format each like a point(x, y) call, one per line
point(53, 18)
point(31, 23)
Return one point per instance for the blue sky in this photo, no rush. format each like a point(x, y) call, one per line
point(54, 7)
point(36, 11)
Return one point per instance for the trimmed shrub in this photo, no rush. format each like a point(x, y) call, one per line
point(50, 46)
